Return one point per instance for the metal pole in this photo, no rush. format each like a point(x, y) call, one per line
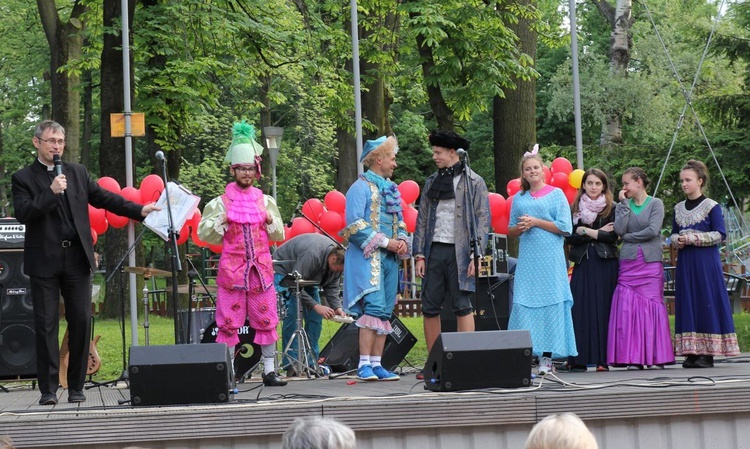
point(129, 162)
point(576, 84)
point(357, 91)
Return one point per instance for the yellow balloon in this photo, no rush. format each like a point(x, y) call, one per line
point(575, 178)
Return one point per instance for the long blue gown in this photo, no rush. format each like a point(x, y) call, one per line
point(542, 300)
point(703, 316)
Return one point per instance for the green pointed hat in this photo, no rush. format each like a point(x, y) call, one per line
point(244, 149)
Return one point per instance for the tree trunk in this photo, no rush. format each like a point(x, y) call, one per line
point(514, 118)
point(112, 149)
point(88, 111)
point(440, 109)
point(65, 42)
point(3, 189)
point(619, 58)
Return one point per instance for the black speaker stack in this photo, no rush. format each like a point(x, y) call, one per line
point(341, 353)
point(17, 349)
point(476, 360)
point(180, 374)
point(491, 305)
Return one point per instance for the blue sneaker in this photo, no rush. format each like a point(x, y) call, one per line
point(365, 373)
point(384, 374)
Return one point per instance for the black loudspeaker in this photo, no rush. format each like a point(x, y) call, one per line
point(491, 310)
point(17, 336)
point(179, 374)
point(473, 360)
point(342, 351)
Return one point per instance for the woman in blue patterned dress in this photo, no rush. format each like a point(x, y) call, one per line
point(703, 317)
point(540, 218)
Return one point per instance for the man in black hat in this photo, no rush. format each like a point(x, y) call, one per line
point(442, 246)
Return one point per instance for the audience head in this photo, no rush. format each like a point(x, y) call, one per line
point(561, 431)
point(318, 433)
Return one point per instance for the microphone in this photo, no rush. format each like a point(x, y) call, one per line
point(461, 153)
point(58, 167)
point(160, 155)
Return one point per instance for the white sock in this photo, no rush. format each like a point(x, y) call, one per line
point(363, 360)
point(268, 364)
point(375, 360)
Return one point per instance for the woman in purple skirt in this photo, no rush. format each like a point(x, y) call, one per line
point(638, 325)
point(703, 317)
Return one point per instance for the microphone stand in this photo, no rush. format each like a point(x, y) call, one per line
point(473, 238)
point(176, 265)
point(118, 269)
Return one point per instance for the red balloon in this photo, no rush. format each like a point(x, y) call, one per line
point(301, 225)
point(561, 165)
point(335, 201)
point(100, 226)
point(570, 193)
point(184, 234)
point(94, 236)
point(410, 218)
point(547, 174)
point(497, 204)
point(110, 184)
point(195, 219)
point(509, 206)
point(287, 233)
point(96, 216)
point(197, 240)
point(216, 248)
point(313, 209)
point(500, 225)
point(116, 221)
point(514, 185)
point(409, 191)
point(131, 194)
point(331, 222)
point(151, 188)
point(560, 180)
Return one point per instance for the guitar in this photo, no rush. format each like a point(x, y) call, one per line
point(94, 363)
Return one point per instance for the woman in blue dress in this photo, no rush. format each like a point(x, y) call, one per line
point(703, 317)
point(540, 218)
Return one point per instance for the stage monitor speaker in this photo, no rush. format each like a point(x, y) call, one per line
point(491, 308)
point(17, 336)
point(341, 353)
point(475, 360)
point(180, 374)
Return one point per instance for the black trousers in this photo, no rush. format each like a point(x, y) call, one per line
point(73, 282)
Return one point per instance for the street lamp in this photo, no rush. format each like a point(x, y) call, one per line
point(273, 135)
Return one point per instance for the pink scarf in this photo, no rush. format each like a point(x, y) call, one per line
point(588, 209)
point(244, 204)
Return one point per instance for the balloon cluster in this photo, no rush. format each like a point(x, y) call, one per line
point(329, 214)
point(148, 192)
point(559, 174)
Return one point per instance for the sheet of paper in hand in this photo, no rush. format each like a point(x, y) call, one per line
point(182, 204)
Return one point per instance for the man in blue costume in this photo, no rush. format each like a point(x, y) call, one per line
point(376, 233)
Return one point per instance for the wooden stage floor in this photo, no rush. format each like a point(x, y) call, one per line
point(402, 406)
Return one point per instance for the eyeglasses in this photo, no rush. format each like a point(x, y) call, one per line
point(245, 168)
point(60, 142)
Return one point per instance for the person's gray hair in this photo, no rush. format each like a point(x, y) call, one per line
point(561, 431)
point(318, 433)
point(47, 124)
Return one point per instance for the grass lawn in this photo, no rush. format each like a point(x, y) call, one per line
point(161, 332)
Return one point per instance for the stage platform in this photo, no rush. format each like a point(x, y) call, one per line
point(674, 407)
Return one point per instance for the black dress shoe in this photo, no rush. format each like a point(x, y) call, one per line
point(48, 399)
point(704, 361)
point(76, 396)
point(690, 361)
point(273, 380)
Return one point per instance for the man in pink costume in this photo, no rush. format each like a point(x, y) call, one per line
point(241, 220)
